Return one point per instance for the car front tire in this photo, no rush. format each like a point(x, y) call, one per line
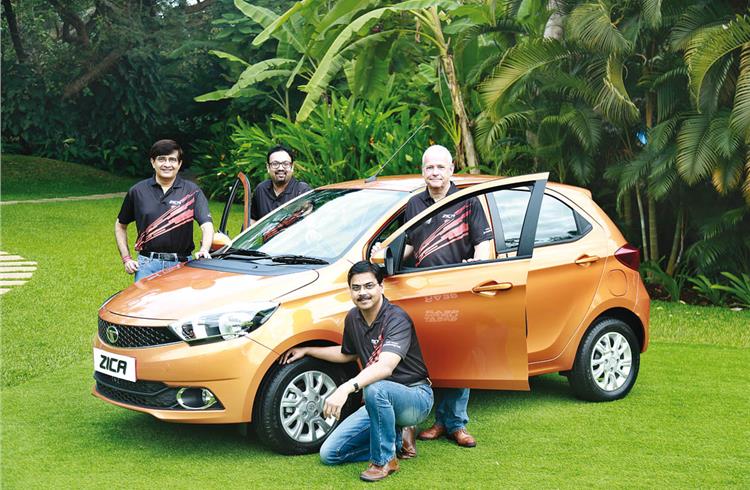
point(607, 362)
point(288, 414)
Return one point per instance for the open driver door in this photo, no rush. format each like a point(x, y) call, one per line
point(221, 235)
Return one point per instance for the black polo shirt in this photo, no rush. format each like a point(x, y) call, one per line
point(165, 220)
point(265, 199)
point(450, 236)
point(392, 331)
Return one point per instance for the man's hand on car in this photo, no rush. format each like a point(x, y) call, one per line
point(202, 254)
point(293, 355)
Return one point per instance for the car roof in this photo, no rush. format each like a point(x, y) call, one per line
point(412, 183)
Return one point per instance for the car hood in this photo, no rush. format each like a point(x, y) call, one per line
point(184, 291)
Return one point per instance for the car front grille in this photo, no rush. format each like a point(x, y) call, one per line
point(131, 336)
point(146, 394)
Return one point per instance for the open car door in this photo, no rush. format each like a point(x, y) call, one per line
point(222, 236)
point(470, 317)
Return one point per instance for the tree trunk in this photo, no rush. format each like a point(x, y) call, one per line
point(70, 17)
point(554, 27)
point(653, 237)
point(678, 231)
point(646, 255)
point(466, 153)
point(627, 210)
point(652, 216)
point(97, 71)
point(15, 37)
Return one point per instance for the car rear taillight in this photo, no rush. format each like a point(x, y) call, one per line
point(629, 256)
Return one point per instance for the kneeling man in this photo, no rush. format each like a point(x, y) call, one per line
point(397, 390)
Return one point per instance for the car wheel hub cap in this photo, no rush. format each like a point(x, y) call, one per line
point(301, 409)
point(611, 361)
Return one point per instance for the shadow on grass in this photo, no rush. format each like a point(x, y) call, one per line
point(150, 433)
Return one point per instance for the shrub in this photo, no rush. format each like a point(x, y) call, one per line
point(343, 140)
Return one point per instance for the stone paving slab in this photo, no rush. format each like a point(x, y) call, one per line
point(14, 268)
point(15, 275)
point(11, 283)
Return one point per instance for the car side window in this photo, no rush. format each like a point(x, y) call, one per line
point(557, 221)
point(452, 235)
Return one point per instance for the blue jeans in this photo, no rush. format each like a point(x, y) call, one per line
point(148, 266)
point(371, 432)
point(451, 411)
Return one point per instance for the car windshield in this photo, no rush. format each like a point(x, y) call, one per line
point(323, 224)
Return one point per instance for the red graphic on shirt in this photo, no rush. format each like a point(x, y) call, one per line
point(174, 218)
point(376, 353)
point(449, 231)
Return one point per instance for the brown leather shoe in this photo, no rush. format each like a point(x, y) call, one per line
point(408, 444)
point(377, 473)
point(463, 438)
point(434, 432)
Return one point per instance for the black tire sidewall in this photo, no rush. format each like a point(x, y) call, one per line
point(581, 378)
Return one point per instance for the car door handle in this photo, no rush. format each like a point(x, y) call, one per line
point(586, 259)
point(491, 287)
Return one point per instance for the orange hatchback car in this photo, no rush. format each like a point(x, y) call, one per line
point(200, 343)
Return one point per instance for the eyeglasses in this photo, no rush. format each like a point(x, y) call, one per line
point(286, 165)
point(163, 159)
point(357, 287)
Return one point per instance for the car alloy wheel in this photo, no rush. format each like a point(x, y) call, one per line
point(289, 406)
point(611, 359)
point(301, 407)
point(607, 362)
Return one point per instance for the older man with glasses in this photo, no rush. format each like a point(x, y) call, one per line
point(281, 188)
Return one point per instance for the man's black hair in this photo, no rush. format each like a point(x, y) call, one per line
point(364, 266)
point(165, 147)
point(279, 148)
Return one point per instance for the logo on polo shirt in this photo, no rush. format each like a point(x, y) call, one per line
point(375, 342)
point(174, 203)
point(449, 216)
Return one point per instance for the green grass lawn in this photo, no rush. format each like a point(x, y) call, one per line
point(25, 177)
point(684, 425)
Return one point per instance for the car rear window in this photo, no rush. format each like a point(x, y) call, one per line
point(557, 221)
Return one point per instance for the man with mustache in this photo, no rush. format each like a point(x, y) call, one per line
point(281, 188)
point(163, 208)
point(396, 386)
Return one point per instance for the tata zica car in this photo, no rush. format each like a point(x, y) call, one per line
point(200, 343)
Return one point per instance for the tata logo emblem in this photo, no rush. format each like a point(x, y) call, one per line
point(112, 334)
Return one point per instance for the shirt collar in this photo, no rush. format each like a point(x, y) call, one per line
point(176, 184)
point(289, 187)
point(427, 198)
point(378, 317)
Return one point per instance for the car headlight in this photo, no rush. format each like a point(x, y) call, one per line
point(227, 323)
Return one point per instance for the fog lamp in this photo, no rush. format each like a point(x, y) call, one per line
point(195, 398)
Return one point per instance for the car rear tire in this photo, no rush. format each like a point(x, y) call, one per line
point(288, 414)
point(607, 362)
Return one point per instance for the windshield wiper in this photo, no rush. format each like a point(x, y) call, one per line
point(298, 259)
point(241, 252)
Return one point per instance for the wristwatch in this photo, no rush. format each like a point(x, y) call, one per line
point(356, 387)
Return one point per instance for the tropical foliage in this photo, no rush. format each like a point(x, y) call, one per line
point(646, 102)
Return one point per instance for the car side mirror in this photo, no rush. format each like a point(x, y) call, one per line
point(220, 240)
